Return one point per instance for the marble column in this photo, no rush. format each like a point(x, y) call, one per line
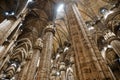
point(45, 63)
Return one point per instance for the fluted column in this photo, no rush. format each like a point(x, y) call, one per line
point(44, 69)
point(88, 61)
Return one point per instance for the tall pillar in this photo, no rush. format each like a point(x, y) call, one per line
point(89, 63)
point(45, 63)
point(34, 60)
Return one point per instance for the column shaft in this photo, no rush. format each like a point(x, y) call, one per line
point(88, 64)
point(33, 65)
point(44, 69)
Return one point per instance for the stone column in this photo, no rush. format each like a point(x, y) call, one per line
point(44, 69)
point(7, 26)
point(88, 61)
point(35, 59)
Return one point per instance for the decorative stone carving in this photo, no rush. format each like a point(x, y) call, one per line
point(50, 28)
point(109, 36)
point(39, 44)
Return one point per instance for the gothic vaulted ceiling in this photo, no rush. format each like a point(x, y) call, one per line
point(43, 11)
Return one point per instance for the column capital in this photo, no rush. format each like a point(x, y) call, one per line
point(39, 44)
point(109, 36)
point(50, 28)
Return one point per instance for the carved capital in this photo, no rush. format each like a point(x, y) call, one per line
point(50, 28)
point(39, 44)
point(110, 36)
